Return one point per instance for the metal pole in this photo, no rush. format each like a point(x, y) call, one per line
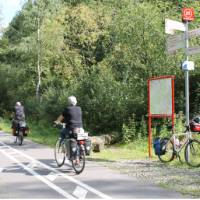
point(187, 104)
point(186, 76)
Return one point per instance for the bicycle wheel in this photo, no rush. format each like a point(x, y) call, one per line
point(78, 162)
point(169, 151)
point(192, 153)
point(59, 152)
point(20, 138)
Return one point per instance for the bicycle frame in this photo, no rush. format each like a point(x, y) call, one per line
point(186, 139)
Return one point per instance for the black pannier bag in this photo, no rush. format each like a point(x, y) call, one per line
point(159, 145)
point(88, 145)
point(73, 146)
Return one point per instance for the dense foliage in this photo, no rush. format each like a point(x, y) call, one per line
point(103, 52)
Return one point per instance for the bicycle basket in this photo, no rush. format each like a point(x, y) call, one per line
point(159, 145)
point(80, 134)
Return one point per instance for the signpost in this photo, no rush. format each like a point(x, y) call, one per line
point(176, 42)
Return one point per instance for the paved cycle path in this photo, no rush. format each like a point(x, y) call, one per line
point(30, 172)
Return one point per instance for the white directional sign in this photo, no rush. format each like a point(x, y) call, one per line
point(173, 47)
point(175, 38)
point(194, 33)
point(193, 50)
point(171, 26)
point(175, 42)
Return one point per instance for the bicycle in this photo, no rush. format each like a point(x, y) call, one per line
point(171, 147)
point(74, 149)
point(20, 133)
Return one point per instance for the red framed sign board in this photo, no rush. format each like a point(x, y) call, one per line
point(160, 102)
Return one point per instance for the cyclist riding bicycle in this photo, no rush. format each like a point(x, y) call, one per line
point(71, 116)
point(18, 117)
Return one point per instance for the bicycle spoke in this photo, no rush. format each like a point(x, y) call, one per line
point(192, 153)
point(169, 152)
point(59, 152)
point(79, 162)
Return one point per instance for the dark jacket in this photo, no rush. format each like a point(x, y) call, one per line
point(73, 117)
point(19, 113)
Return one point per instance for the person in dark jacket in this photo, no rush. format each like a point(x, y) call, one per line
point(71, 116)
point(18, 116)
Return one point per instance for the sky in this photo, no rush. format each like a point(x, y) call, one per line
point(8, 9)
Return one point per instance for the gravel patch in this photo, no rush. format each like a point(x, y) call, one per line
point(182, 179)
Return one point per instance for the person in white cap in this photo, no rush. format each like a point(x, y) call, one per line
point(71, 116)
point(18, 116)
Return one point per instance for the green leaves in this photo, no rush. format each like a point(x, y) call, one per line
point(103, 52)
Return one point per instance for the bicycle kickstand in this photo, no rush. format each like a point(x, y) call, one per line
point(179, 157)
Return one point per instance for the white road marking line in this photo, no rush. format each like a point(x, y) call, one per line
point(12, 153)
point(4, 147)
point(41, 178)
point(89, 188)
point(1, 169)
point(80, 192)
point(32, 165)
point(52, 176)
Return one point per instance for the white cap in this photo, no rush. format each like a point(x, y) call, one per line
point(18, 103)
point(72, 100)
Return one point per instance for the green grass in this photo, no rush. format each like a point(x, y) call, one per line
point(40, 132)
point(44, 133)
point(5, 125)
point(132, 151)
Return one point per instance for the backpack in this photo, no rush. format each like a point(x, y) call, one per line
point(159, 145)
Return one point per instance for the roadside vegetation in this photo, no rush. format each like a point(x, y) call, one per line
point(103, 52)
point(44, 133)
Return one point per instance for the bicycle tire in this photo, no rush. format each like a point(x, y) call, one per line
point(192, 153)
point(169, 152)
point(20, 138)
point(78, 168)
point(60, 152)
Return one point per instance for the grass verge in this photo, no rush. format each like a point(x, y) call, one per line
point(44, 133)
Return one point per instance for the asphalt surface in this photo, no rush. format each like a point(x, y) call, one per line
point(30, 172)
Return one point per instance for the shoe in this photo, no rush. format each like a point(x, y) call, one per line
point(77, 162)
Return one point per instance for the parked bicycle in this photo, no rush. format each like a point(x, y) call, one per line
point(74, 148)
point(167, 149)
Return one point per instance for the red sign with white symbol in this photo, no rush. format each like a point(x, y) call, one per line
point(188, 14)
